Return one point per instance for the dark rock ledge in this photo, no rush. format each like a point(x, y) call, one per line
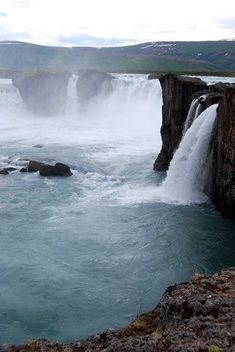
point(194, 316)
point(59, 169)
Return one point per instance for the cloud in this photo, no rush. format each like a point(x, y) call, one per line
point(84, 39)
point(227, 23)
point(22, 3)
point(5, 35)
point(110, 22)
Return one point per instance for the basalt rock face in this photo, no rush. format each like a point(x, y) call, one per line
point(44, 93)
point(92, 84)
point(196, 316)
point(223, 170)
point(177, 92)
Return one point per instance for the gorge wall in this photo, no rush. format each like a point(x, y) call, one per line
point(178, 92)
point(223, 169)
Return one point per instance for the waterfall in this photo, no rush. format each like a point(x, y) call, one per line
point(188, 171)
point(194, 111)
point(72, 100)
point(132, 110)
point(10, 99)
point(134, 104)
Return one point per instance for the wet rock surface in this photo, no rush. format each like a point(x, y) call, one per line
point(223, 142)
point(196, 316)
point(58, 169)
point(31, 166)
point(7, 170)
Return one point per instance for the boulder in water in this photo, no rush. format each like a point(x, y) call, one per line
point(38, 145)
point(24, 169)
point(4, 172)
point(34, 166)
point(7, 170)
point(58, 169)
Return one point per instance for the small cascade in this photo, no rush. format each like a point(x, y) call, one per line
point(194, 111)
point(72, 99)
point(10, 99)
point(189, 168)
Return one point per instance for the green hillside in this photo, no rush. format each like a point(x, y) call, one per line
point(207, 56)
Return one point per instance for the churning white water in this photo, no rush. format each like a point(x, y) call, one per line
point(188, 171)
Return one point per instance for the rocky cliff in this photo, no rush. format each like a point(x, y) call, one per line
point(223, 169)
point(196, 316)
point(44, 93)
point(177, 93)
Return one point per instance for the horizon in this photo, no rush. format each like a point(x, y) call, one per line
point(114, 46)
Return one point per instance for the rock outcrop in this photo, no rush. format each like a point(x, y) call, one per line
point(197, 316)
point(7, 170)
point(223, 169)
point(44, 93)
point(59, 169)
point(177, 93)
point(92, 84)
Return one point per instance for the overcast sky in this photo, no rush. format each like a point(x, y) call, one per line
point(115, 22)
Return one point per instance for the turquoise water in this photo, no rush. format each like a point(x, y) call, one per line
point(82, 254)
point(77, 258)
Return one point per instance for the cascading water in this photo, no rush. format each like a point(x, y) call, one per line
point(119, 115)
point(194, 111)
point(123, 111)
point(72, 100)
point(82, 254)
point(10, 99)
point(188, 170)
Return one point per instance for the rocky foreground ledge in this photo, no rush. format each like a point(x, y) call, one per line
point(194, 316)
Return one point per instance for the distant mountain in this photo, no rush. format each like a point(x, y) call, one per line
point(201, 56)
